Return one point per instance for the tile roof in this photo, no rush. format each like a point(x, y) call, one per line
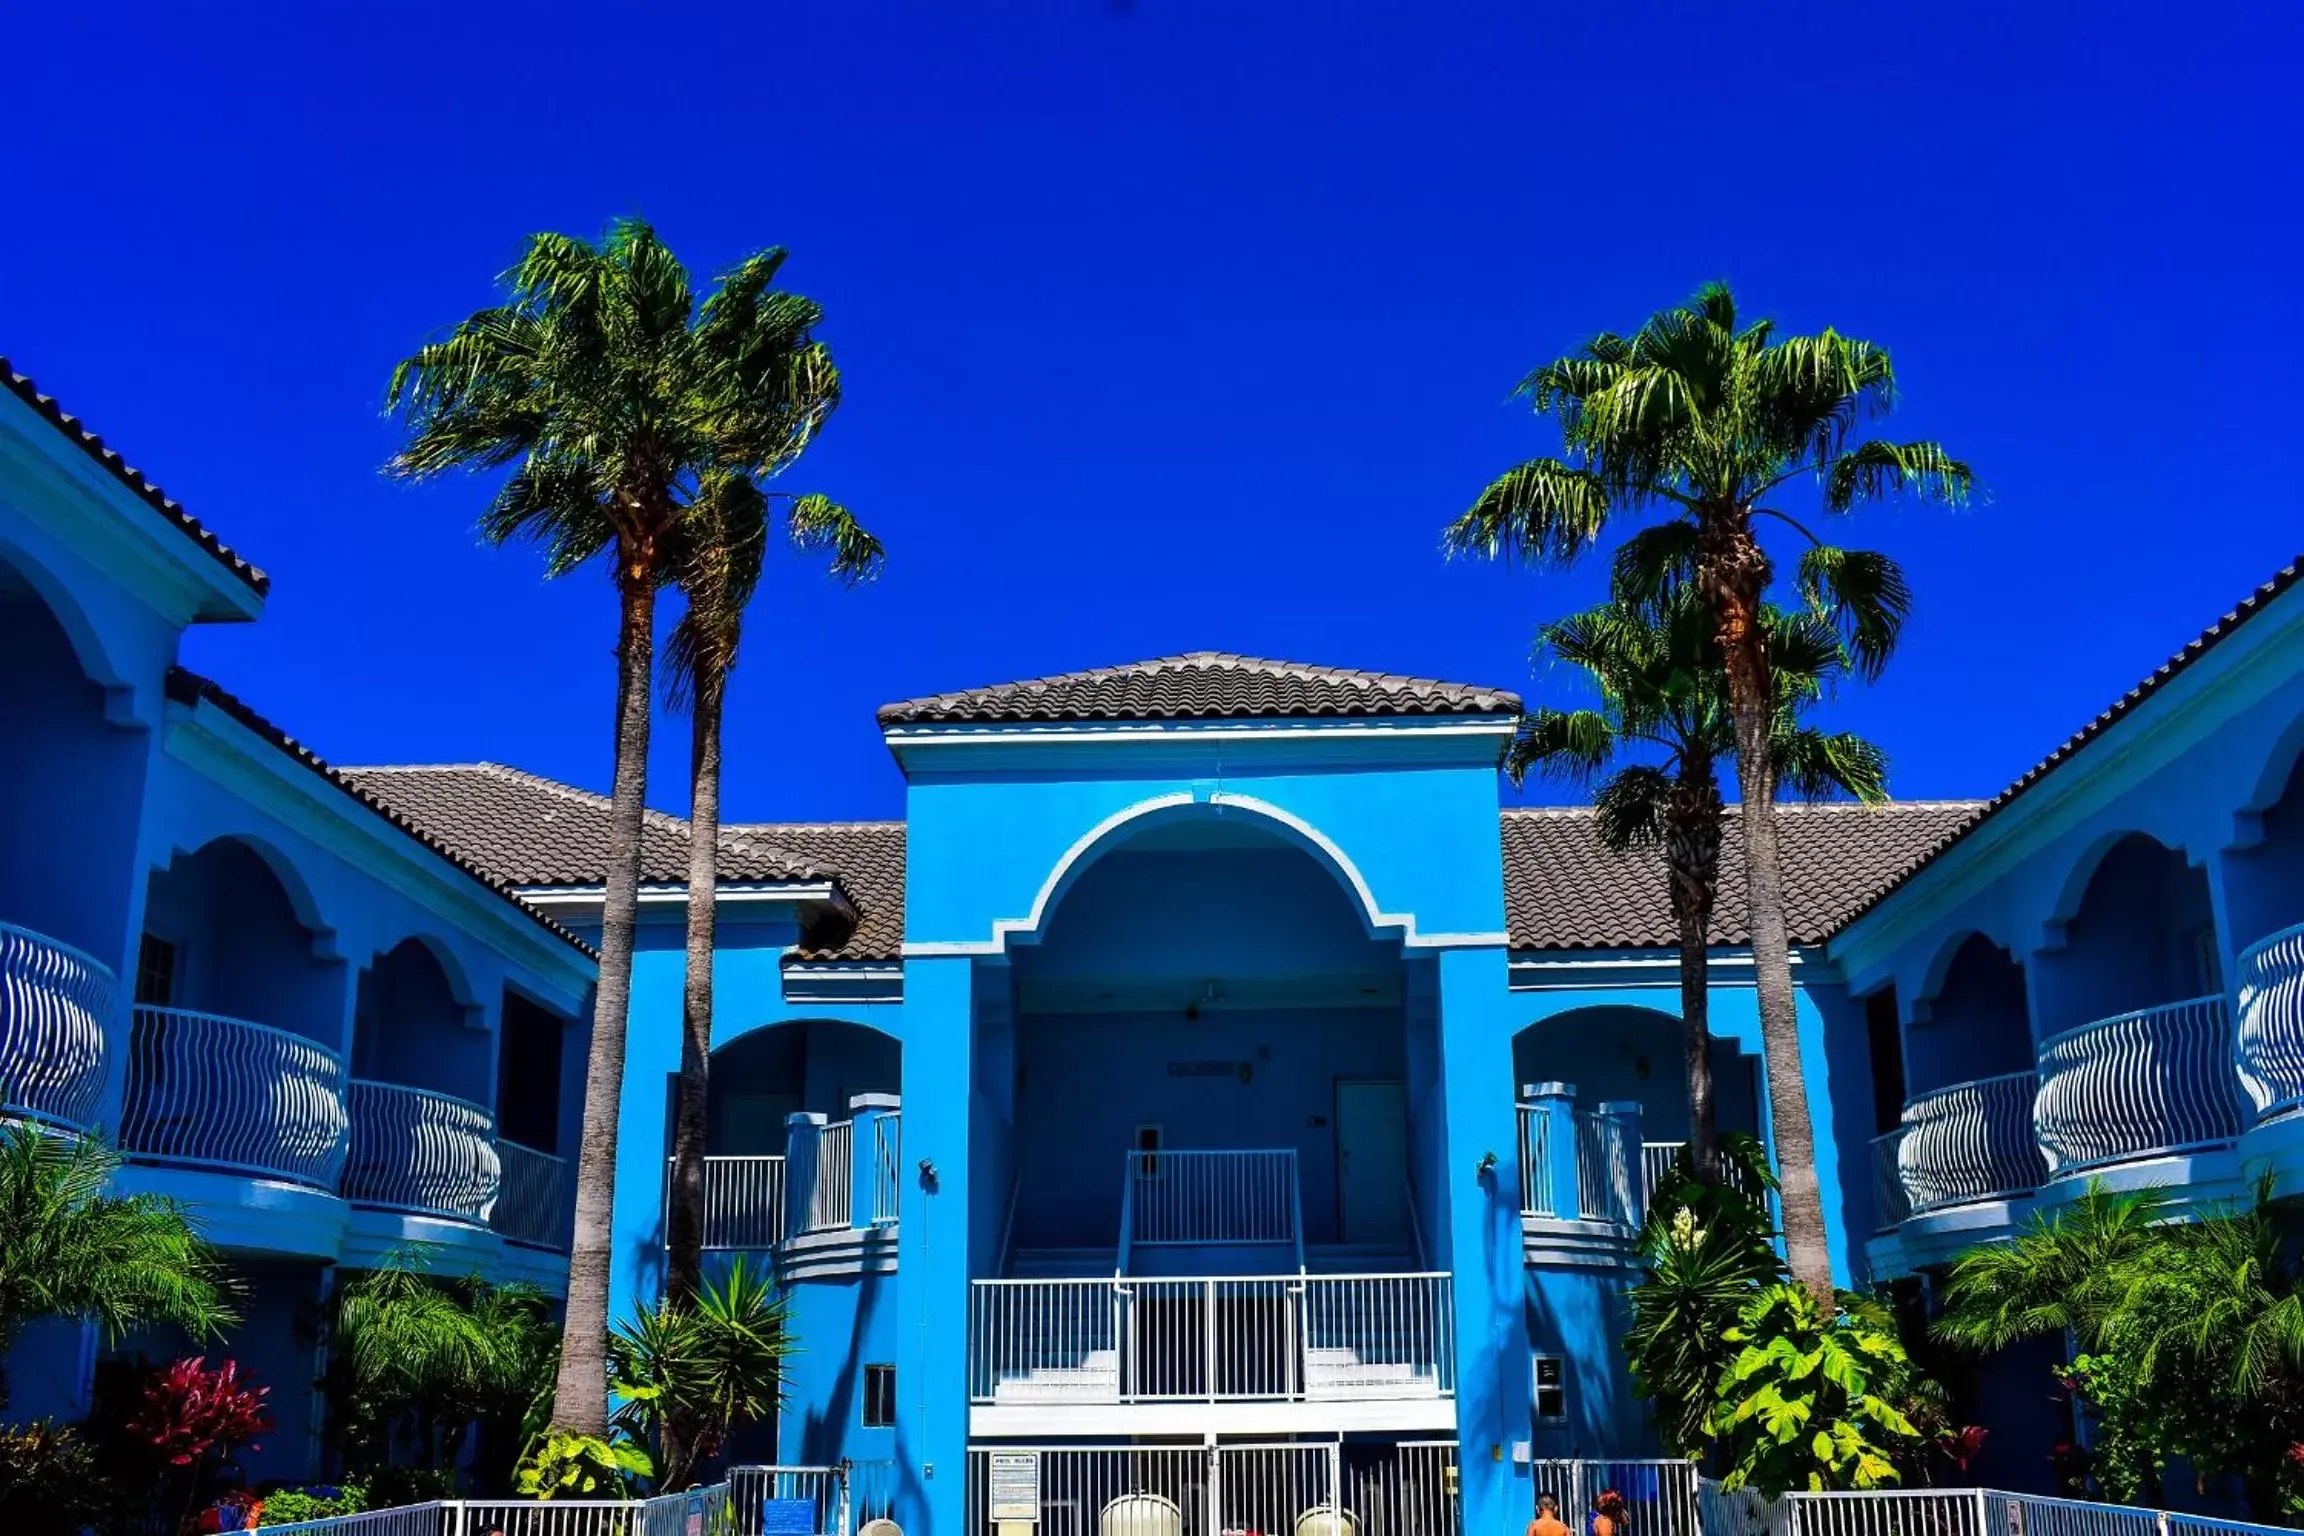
point(528, 830)
point(2256, 602)
point(188, 687)
point(133, 478)
point(869, 858)
point(1564, 890)
point(1203, 685)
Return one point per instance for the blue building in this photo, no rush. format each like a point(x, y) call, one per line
point(1206, 1098)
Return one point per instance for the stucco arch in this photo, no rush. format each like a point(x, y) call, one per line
point(2073, 891)
point(1938, 968)
point(303, 899)
point(1133, 821)
point(1588, 1050)
point(97, 661)
point(2283, 764)
point(443, 954)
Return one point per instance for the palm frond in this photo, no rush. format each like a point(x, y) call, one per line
point(1881, 471)
point(1815, 765)
point(1865, 596)
point(1544, 511)
point(1571, 745)
point(1630, 804)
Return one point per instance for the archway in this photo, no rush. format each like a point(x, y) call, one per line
point(223, 935)
point(2264, 883)
point(1974, 1025)
point(2142, 933)
point(410, 1028)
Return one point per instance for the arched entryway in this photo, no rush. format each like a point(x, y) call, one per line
point(423, 1138)
point(799, 1114)
point(1967, 1131)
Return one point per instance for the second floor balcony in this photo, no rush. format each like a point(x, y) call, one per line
point(55, 1006)
point(843, 1175)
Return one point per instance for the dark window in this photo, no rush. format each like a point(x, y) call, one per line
point(879, 1396)
point(155, 972)
point(1887, 1042)
point(1147, 1152)
point(1551, 1389)
point(528, 1074)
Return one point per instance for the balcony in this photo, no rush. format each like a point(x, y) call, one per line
point(228, 1096)
point(1969, 1143)
point(1140, 1342)
point(836, 1189)
point(1891, 1205)
point(743, 1202)
point(2270, 1040)
point(420, 1153)
point(54, 1005)
point(2155, 1082)
point(534, 1201)
point(1585, 1165)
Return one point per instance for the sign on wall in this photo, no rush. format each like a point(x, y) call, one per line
point(1015, 1485)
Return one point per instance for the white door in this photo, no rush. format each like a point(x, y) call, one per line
point(1372, 1161)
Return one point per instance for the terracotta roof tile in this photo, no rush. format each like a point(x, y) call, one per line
point(1204, 685)
point(869, 858)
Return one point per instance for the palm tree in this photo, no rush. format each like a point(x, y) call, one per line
point(69, 1249)
point(694, 1373)
point(717, 565)
point(1703, 421)
point(615, 397)
point(1663, 692)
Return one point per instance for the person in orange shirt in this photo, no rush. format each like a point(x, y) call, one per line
point(1608, 1514)
point(1547, 1521)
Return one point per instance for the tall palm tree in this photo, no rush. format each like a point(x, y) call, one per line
point(70, 1249)
point(717, 565)
point(1703, 421)
point(614, 396)
point(1663, 694)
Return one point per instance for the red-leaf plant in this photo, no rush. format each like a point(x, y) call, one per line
point(190, 1411)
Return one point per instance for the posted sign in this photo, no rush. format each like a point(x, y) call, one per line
point(1015, 1485)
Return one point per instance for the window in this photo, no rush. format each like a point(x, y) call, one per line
point(2207, 964)
point(155, 972)
point(1887, 1048)
point(879, 1396)
point(1551, 1390)
point(1147, 1152)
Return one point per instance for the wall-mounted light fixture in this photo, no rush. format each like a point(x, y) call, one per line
point(1487, 1167)
point(928, 1175)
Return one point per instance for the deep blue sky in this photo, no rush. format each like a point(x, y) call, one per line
point(1170, 326)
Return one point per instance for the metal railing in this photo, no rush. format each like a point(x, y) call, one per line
point(1890, 1203)
point(2270, 1038)
point(534, 1204)
point(1285, 1338)
point(2154, 1081)
point(1299, 1489)
point(887, 1159)
point(425, 1153)
point(743, 1201)
point(1659, 1494)
point(788, 1501)
point(1535, 1162)
point(407, 1520)
point(1608, 1168)
point(1944, 1512)
point(1971, 1141)
point(1211, 1197)
point(832, 1195)
point(211, 1092)
point(55, 1004)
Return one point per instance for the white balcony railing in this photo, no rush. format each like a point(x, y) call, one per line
point(54, 1005)
point(887, 1158)
point(832, 1196)
point(1890, 1203)
point(2155, 1081)
point(2271, 1024)
point(1294, 1338)
point(743, 1202)
point(1613, 1169)
point(534, 1204)
point(422, 1153)
point(1535, 1162)
point(210, 1092)
point(1971, 1141)
point(1212, 1197)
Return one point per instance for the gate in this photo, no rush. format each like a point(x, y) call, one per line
point(1659, 1495)
point(1277, 1488)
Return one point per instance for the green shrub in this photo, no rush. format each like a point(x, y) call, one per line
point(582, 1467)
point(50, 1481)
point(1810, 1403)
point(289, 1506)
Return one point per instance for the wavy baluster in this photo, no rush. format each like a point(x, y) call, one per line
point(54, 1005)
point(421, 1152)
point(1971, 1141)
point(2158, 1080)
point(2270, 1039)
point(206, 1091)
point(533, 1205)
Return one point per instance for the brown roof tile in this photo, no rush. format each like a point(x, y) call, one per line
point(1564, 890)
point(1204, 685)
point(133, 478)
point(869, 858)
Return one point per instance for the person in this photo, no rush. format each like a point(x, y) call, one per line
point(1608, 1514)
point(1547, 1521)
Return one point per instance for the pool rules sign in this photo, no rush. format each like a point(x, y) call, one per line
point(1015, 1491)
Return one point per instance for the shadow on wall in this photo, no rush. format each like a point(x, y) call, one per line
point(1622, 1053)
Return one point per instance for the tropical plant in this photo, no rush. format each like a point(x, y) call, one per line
point(327, 1501)
point(71, 1249)
point(423, 1366)
point(565, 1466)
point(1664, 696)
point(51, 1482)
point(617, 400)
point(1810, 1402)
point(718, 553)
point(688, 1376)
point(1702, 419)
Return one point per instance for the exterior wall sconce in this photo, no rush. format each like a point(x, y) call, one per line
point(928, 1175)
point(1487, 1167)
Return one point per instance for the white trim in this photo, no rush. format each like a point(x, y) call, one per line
point(1324, 1417)
point(1006, 928)
point(670, 895)
point(1647, 969)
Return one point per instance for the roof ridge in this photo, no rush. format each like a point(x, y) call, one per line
point(812, 826)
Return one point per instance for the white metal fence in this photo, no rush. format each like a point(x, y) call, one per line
point(2270, 990)
point(1890, 1203)
point(408, 1520)
point(533, 1205)
point(1245, 1197)
point(422, 1152)
point(1942, 1512)
point(1659, 1495)
point(788, 1501)
point(1608, 1167)
point(1971, 1141)
point(55, 1003)
point(743, 1201)
point(212, 1092)
point(1318, 1338)
point(1536, 1162)
point(887, 1158)
point(832, 1196)
point(2157, 1079)
point(1296, 1489)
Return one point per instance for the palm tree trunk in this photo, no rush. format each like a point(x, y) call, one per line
point(580, 1393)
point(1735, 573)
point(1692, 891)
point(684, 1267)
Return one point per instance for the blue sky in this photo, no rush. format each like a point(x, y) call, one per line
point(1174, 326)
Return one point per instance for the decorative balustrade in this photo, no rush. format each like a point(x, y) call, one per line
point(2154, 1081)
point(1212, 1197)
point(210, 1092)
point(420, 1152)
point(832, 1194)
point(2270, 1040)
point(1608, 1167)
point(1971, 1141)
point(1890, 1203)
point(1289, 1338)
point(743, 1202)
point(1612, 1166)
point(54, 1005)
point(535, 1202)
point(887, 1159)
point(1536, 1162)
